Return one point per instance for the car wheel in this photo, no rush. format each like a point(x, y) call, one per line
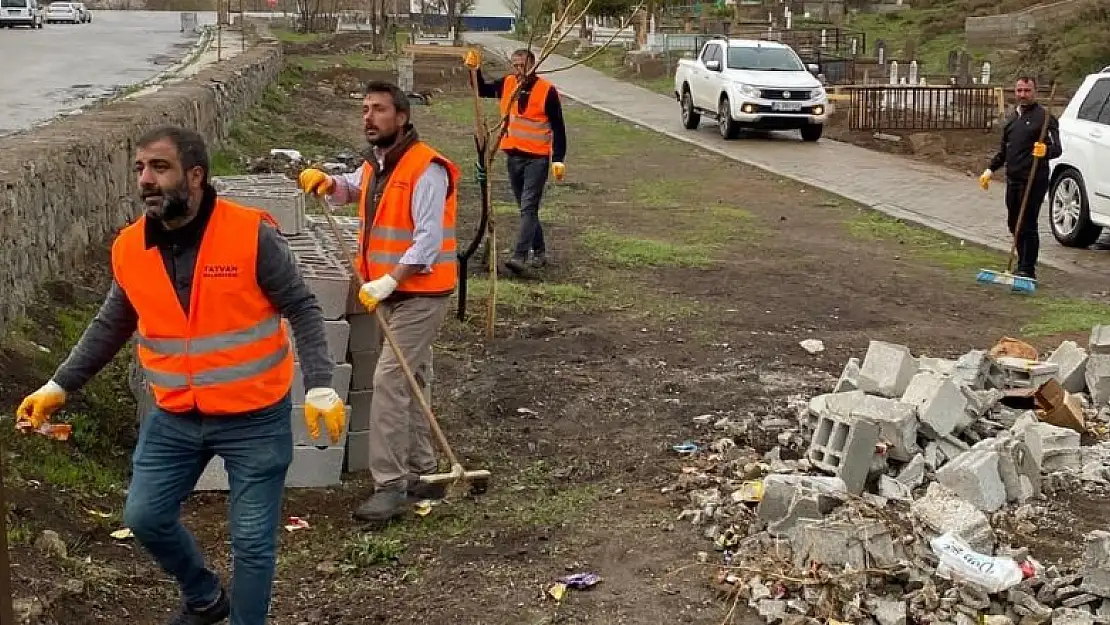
point(812, 132)
point(1070, 213)
point(690, 117)
point(725, 124)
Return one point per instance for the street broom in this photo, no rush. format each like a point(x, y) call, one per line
point(1021, 284)
point(478, 479)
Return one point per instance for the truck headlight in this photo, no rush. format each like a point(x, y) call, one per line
point(817, 93)
point(747, 91)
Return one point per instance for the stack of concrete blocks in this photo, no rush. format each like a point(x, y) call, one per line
point(317, 462)
point(366, 343)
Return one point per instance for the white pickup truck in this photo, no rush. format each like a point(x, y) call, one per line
point(746, 83)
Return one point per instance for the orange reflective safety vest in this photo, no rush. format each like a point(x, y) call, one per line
point(231, 353)
point(529, 131)
point(391, 227)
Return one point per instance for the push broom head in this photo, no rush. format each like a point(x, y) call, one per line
point(1020, 284)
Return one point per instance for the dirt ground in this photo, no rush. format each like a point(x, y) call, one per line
point(680, 287)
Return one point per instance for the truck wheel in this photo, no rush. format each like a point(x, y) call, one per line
point(812, 132)
point(729, 128)
point(690, 117)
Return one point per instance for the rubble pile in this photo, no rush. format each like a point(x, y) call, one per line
point(886, 510)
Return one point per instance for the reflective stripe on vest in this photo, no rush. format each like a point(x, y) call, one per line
point(232, 353)
point(528, 131)
point(392, 230)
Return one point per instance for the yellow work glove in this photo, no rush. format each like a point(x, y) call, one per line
point(324, 402)
point(985, 179)
point(37, 407)
point(1039, 149)
point(315, 181)
point(375, 291)
point(559, 170)
point(472, 59)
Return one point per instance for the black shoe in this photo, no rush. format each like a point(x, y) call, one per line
point(1025, 273)
point(516, 265)
point(539, 261)
point(384, 505)
point(423, 490)
point(215, 613)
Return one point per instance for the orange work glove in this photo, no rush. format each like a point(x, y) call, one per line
point(324, 403)
point(316, 181)
point(38, 407)
point(559, 170)
point(472, 59)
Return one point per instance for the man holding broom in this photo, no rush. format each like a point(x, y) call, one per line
point(407, 259)
point(1020, 146)
point(536, 139)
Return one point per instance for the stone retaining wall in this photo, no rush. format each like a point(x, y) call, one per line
point(1011, 30)
point(70, 183)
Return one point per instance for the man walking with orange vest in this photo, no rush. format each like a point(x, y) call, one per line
point(205, 283)
point(407, 258)
point(536, 140)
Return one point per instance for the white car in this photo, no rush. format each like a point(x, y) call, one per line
point(751, 83)
point(68, 12)
point(1079, 205)
point(20, 13)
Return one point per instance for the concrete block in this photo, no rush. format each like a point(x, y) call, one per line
point(941, 510)
point(360, 410)
point(300, 430)
point(282, 199)
point(338, 332)
point(1053, 448)
point(858, 544)
point(326, 276)
point(340, 381)
point(939, 366)
point(849, 377)
point(974, 477)
point(311, 468)
point(845, 448)
point(979, 403)
point(887, 369)
point(315, 468)
point(941, 406)
point(1097, 376)
point(791, 500)
point(897, 422)
point(1096, 564)
point(1099, 341)
point(951, 447)
point(365, 334)
point(1072, 362)
point(358, 452)
point(1023, 373)
point(913, 474)
point(363, 364)
point(974, 369)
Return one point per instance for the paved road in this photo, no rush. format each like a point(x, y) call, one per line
point(65, 66)
point(905, 188)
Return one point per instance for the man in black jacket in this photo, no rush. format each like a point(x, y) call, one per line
point(1020, 144)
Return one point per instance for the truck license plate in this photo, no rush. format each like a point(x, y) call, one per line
point(786, 106)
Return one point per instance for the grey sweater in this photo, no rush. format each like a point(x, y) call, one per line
point(277, 275)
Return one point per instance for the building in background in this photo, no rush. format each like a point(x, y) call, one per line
point(482, 15)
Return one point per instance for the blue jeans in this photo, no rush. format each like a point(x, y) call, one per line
point(170, 456)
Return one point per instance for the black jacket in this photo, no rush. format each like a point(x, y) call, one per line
point(1022, 130)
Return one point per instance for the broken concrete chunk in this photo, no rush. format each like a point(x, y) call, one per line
point(887, 369)
point(844, 448)
point(897, 422)
point(1023, 373)
point(1072, 361)
point(791, 500)
point(941, 407)
point(859, 544)
point(1053, 448)
point(976, 370)
point(891, 488)
point(1096, 564)
point(1097, 376)
point(974, 477)
point(1018, 470)
point(979, 403)
point(1072, 616)
point(941, 510)
point(939, 366)
point(1099, 341)
point(913, 474)
point(889, 612)
point(849, 378)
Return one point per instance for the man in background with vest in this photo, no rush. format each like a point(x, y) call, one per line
point(216, 352)
point(407, 258)
point(536, 139)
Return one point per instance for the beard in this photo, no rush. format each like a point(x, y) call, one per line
point(165, 205)
point(383, 140)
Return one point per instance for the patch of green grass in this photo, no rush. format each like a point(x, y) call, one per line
point(515, 296)
point(226, 163)
point(289, 36)
point(355, 60)
point(625, 251)
point(923, 243)
point(368, 550)
point(555, 507)
point(1062, 315)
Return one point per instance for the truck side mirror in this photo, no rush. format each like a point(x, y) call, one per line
point(813, 68)
point(713, 66)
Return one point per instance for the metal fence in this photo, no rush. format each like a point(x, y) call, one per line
point(903, 107)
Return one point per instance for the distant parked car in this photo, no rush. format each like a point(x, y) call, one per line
point(20, 13)
point(1079, 205)
point(67, 12)
point(86, 14)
